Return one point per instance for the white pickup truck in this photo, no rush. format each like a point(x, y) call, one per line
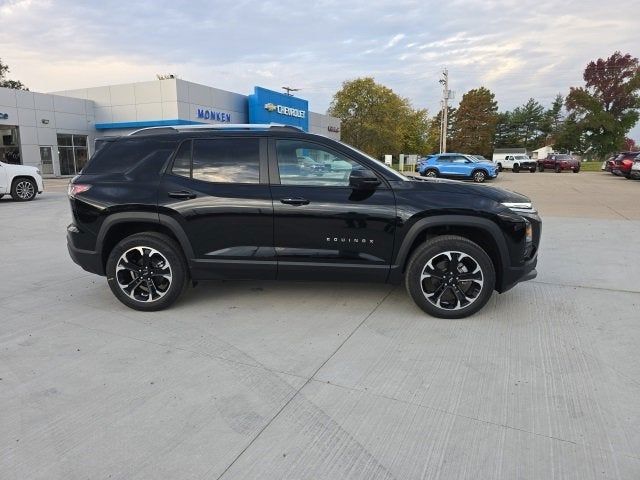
point(22, 182)
point(515, 162)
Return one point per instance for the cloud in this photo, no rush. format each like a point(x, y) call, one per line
point(517, 48)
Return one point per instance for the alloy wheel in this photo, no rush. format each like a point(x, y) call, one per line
point(479, 177)
point(431, 173)
point(144, 274)
point(25, 189)
point(451, 280)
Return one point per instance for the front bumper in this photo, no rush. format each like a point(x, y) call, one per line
point(514, 275)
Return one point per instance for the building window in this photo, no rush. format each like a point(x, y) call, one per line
point(72, 152)
point(10, 145)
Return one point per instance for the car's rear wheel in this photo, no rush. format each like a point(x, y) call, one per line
point(431, 173)
point(147, 271)
point(23, 189)
point(450, 277)
point(575, 170)
point(516, 168)
point(479, 176)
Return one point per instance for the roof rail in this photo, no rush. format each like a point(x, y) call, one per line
point(216, 126)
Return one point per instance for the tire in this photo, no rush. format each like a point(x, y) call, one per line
point(1, 195)
point(516, 168)
point(499, 167)
point(24, 189)
point(575, 170)
point(558, 169)
point(479, 176)
point(541, 168)
point(431, 172)
point(160, 250)
point(450, 297)
point(532, 169)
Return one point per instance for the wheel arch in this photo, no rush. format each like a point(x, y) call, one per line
point(21, 176)
point(482, 231)
point(121, 225)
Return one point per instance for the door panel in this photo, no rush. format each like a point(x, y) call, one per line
point(222, 200)
point(323, 228)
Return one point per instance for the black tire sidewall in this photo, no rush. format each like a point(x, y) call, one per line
point(165, 245)
point(426, 251)
point(14, 193)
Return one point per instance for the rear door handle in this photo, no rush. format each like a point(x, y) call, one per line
point(185, 194)
point(295, 201)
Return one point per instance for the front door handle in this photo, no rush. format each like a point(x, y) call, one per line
point(295, 201)
point(184, 194)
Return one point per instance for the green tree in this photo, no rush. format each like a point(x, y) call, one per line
point(527, 121)
point(377, 120)
point(474, 122)
point(552, 121)
point(6, 83)
point(606, 108)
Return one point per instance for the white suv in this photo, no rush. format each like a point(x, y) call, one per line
point(21, 181)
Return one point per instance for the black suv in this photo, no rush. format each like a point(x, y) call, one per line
point(166, 206)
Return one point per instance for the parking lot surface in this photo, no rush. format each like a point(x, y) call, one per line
point(268, 380)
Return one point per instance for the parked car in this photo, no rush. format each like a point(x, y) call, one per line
point(166, 206)
point(635, 169)
point(623, 163)
point(22, 182)
point(608, 164)
point(514, 163)
point(559, 162)
point(457, 165)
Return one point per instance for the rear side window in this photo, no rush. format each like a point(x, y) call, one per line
point(226, 160)
point(124, 155)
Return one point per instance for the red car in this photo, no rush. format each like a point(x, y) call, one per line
point(623, 163)
point(559, 162)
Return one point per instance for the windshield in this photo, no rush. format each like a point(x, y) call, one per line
point(384, 166)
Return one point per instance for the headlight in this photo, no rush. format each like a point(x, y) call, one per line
point(520, 207)
point(528, 232)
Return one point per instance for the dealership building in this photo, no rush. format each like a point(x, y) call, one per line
point(57, 131)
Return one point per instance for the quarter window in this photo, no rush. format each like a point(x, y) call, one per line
point(305, 163)
point(226, 160)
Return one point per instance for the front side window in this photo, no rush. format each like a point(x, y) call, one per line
point(226, 160)
point(305, 163)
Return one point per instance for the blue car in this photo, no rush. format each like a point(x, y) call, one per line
point(457, 165)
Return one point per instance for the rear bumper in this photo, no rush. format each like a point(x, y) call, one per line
point(87, 259)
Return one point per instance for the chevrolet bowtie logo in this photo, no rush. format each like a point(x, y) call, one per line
point(271, 107)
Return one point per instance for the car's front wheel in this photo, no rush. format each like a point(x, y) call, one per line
point(532, 169)
point(558, 169)
point(450, 277)
point(147, 271)
point(23, 190)
point(479, 176)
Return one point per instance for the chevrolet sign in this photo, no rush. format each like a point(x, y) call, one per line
point(282, 110)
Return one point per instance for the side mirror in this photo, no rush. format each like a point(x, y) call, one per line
point(363, 179)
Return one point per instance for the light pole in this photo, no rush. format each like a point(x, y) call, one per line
point(290, 89)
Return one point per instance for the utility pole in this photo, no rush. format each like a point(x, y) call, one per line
point(289, 90)
point(444, 81)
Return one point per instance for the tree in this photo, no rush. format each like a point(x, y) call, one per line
point(377, 120)
point(474, 122)
point(552, 121)
point(6, 83)
point(606, 108)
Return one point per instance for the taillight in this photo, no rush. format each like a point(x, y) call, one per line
point(76, 188)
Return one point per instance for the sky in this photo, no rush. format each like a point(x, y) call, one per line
point(517, 48)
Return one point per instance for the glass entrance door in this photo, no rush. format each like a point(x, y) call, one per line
point(46, 161)
point(72, 153)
